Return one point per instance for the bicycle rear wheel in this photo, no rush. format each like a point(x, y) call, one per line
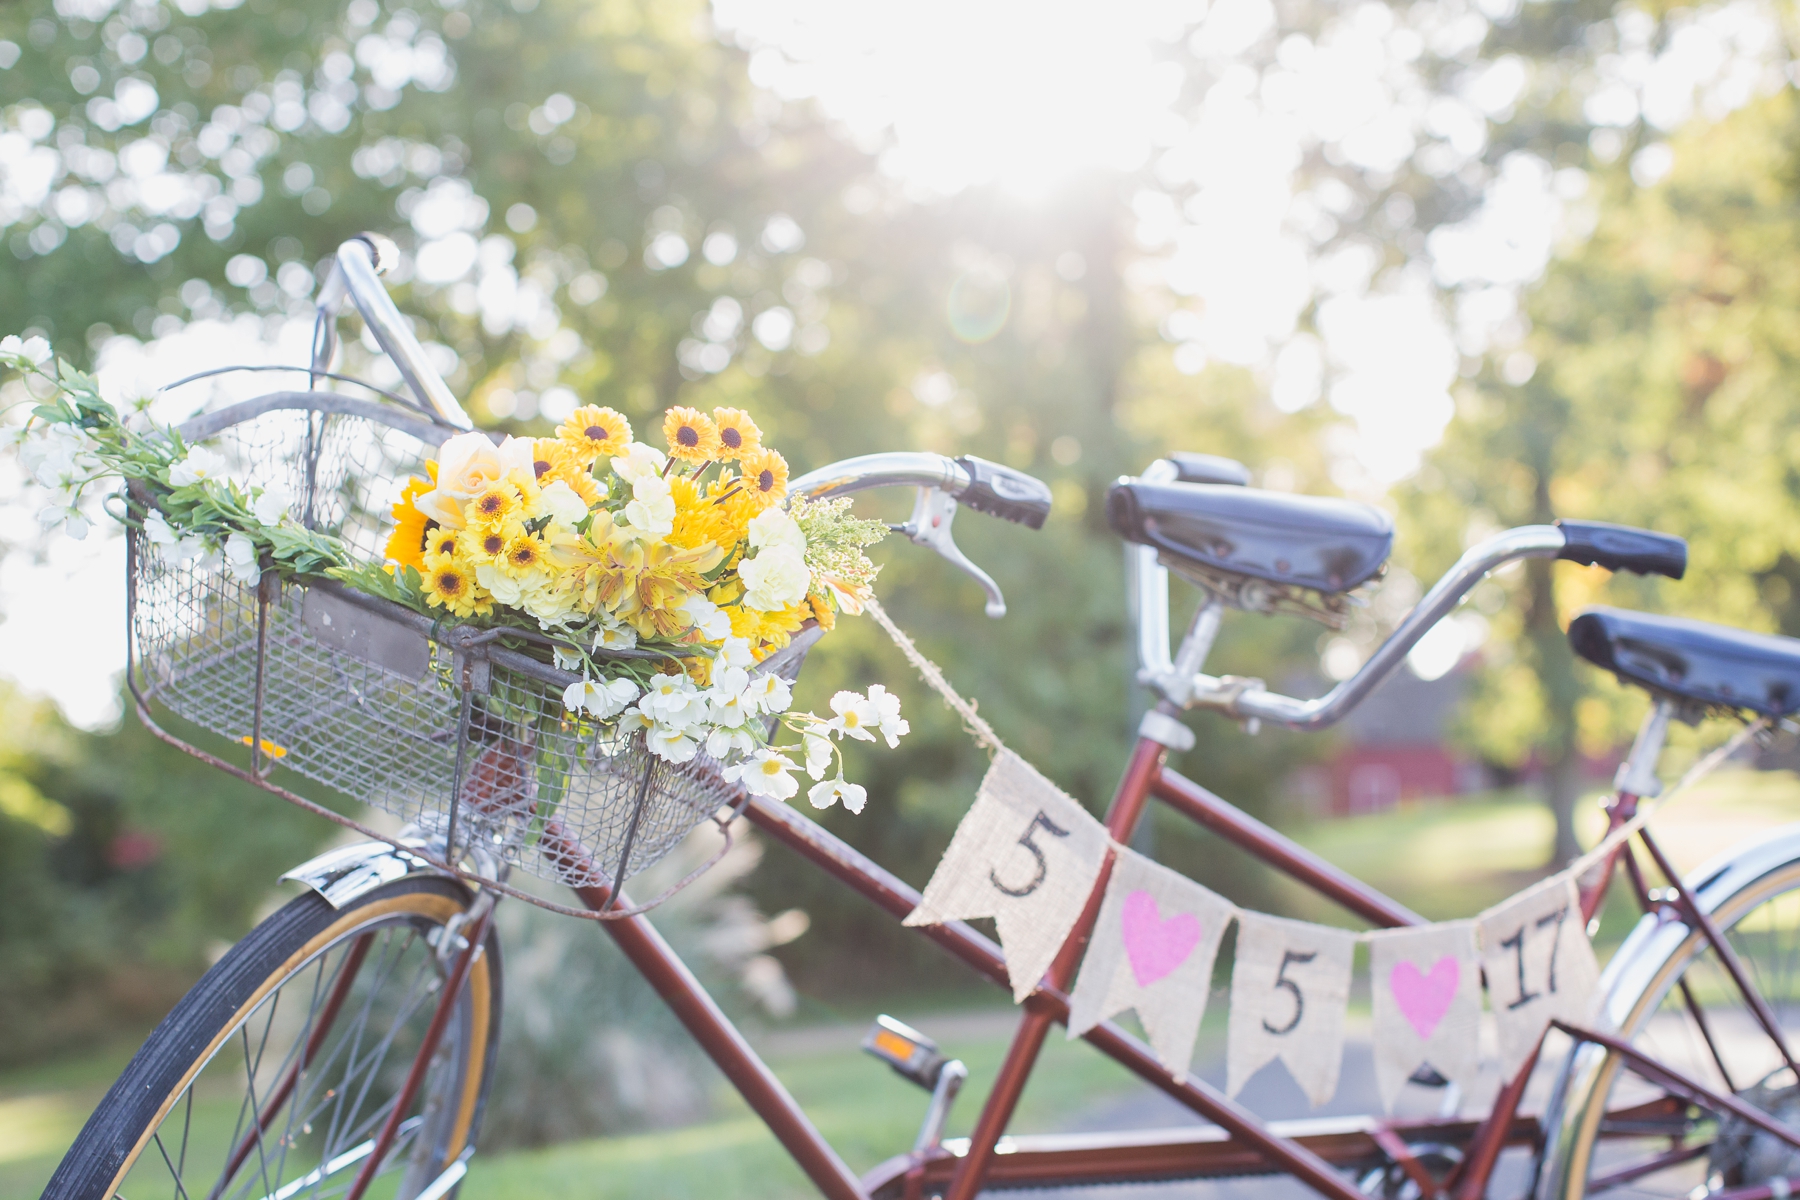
point(1608, 1132)
point(272, 1077)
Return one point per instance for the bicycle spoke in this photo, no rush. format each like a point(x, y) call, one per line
point(180, 1191)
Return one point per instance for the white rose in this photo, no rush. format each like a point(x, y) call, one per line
point(563, 503)
point(776, 578)
point(518, 454)
point(773, 527)
point(467, 463)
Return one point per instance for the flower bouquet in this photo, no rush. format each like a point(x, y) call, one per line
point(579, 645)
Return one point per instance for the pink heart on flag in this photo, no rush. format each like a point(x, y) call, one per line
point(1155, 946)
point(1423, 997)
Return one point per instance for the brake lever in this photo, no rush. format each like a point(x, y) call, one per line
point(929, 526)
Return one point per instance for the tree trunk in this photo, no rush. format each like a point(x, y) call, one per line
point(1555, 668)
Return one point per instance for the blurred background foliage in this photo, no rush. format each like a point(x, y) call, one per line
point(596, 204)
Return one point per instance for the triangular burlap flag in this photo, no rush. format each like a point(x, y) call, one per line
point(1539, 965)
point(1289, 989)
point(1426, 988)
point(1025, 854)
point(1152, 950)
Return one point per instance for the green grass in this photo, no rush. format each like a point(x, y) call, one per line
point(1444, 859)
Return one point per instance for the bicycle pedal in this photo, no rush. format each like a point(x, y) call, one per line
point(909, 1052)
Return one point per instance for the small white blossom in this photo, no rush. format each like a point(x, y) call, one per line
point(673, 700)
point(567, 660)
point(722, 741)
point(706, 616)
point(616, 636)
point(765, 773)
point(158, 530)
point(735, 653)
point(199, 464)
point(34, 351)
point(818, 754)
point(68, 516)
point(639, 462)
point(651, 510)
point(240, 559)
point(672, 744)
point(271, 505)
point(190, 548)
point(771, 693)
point(856, 717)
point(887, 708)
point(599, 697)
point(824, 795)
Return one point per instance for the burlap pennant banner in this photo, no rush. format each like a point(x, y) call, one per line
point(1539, 963)
point(1289, 990)
point(1425, 985)
point(1025, 854)
point(1152, 950)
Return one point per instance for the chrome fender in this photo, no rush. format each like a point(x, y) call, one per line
point(1632, 971)
point(343, 874)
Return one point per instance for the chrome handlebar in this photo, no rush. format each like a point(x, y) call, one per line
point(356, 271)
point(940, 482)
point(1179, 679)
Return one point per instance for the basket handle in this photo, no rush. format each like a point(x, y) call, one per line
point(356, 271)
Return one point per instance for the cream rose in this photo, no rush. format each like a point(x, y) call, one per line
point(776, 578)
point(467, 463)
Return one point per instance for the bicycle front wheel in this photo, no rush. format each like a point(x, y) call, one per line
point(274, 1075)
point(1607, 1131)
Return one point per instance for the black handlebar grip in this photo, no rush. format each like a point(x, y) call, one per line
point(1623, 548)
point(1005, 493)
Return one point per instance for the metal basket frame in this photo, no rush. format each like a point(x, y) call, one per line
point(380, 634)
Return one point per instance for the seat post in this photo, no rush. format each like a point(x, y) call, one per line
point(1637, 774)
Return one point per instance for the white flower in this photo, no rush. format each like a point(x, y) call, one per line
point(722, 741)
point(887, 708)
point(561, 502)
point(567, 660)
point(616, 637)
point(68, 516)
point(818, 755)
point(240, 559)
point(501, 586)
point(210, 556)
point(776, 578)
point(824, 795)
point(856, 717)
point(199, 464)
point(551, 605)
point(773, 527)
point(651, 509)
point(671, 744)
point(765, 773)
point(599, 697)
point(33, 350)
point(271, 505)
point(706, 617)
point(735, 652)
point(673, 700)
point(639, 462)
point(11, 435)
point(190, 548)
point(730, 705)
point(770, 692)
point(157, 529)
point(633, 720)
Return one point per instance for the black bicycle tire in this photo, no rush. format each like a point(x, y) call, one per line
point(118, 1124)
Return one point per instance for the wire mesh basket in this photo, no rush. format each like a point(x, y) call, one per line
point(337, 692)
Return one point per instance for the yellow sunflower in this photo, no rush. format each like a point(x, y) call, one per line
point(691, 435)
point(738, 434)
point(450, 583)
point(406, 545)
point(593, 432)
point(765, 478)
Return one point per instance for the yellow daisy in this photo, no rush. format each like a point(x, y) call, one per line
point(449, 583)
point(440, 541)
point(691, 435)
point(493, 506)
point(593, 432)
point(524, 554)
point(486, 547)
point(555, 460)
point(738, 434)
point(765, 477)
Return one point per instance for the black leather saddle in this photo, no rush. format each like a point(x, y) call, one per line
point(1326, 545)
point(1693, 660)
